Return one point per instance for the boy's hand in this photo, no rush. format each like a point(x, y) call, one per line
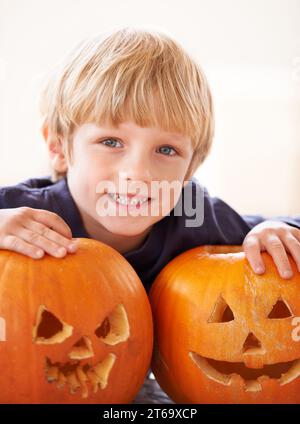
point(277, 238)
point(33, 232)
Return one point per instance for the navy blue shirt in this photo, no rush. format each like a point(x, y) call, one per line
point(168, 237)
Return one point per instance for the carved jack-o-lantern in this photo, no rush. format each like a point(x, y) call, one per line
point(224, 334)
point(74, 330)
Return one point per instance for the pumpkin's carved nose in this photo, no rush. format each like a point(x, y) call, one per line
point(82, 349)
point(251, 344)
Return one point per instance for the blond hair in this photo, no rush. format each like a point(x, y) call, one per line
point(130, 73)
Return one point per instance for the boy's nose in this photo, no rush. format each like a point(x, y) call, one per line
point(137, 169)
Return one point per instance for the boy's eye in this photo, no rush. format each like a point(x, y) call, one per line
point(111, 142)
point(167, 150)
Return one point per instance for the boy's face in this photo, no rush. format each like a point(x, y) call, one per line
point(105, 158)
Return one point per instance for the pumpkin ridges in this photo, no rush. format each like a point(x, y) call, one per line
point(132, 355)
point(180, 276)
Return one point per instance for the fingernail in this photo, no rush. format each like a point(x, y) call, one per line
point(72, 247)
point(259, 270)
point(61, 251)
point(39, 253)
point(287, 274)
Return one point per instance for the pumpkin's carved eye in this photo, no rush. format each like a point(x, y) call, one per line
point(114, 328)
point(221, 312)
point(280, 310)
point(49, 329)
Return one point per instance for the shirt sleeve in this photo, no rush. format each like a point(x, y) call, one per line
point(226, 226)
point(31, 193)
point(15, 197)
point(3, 200)
point(292, 220)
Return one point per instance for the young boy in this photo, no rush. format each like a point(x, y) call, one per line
point(130, 107)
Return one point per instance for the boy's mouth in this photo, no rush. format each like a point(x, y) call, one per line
point(129, 200)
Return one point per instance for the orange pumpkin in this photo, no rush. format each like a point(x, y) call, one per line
point(73, 330)
point(224, 334)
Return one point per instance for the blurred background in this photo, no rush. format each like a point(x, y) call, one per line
point(249, 50)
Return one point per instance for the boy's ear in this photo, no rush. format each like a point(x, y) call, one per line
point(56, 151)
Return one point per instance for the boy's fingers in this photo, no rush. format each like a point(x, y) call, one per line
point(18, 245)
point(276, 249)
point(252, 250)
point(39, 241)
point(50, 219)
point(46, 232)
point(293, 246)
point(296, 233)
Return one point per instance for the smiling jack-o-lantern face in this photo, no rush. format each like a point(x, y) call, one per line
point(78, 329)
point(223, 333)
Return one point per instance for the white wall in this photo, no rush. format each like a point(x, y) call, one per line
point(250, 51)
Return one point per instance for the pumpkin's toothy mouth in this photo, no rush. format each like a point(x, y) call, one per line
point(222, 371)
point(77, 375)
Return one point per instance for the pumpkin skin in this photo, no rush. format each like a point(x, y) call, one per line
point(82, 319)
point(219, 327)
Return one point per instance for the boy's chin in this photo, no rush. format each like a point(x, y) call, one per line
point(127, 229)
